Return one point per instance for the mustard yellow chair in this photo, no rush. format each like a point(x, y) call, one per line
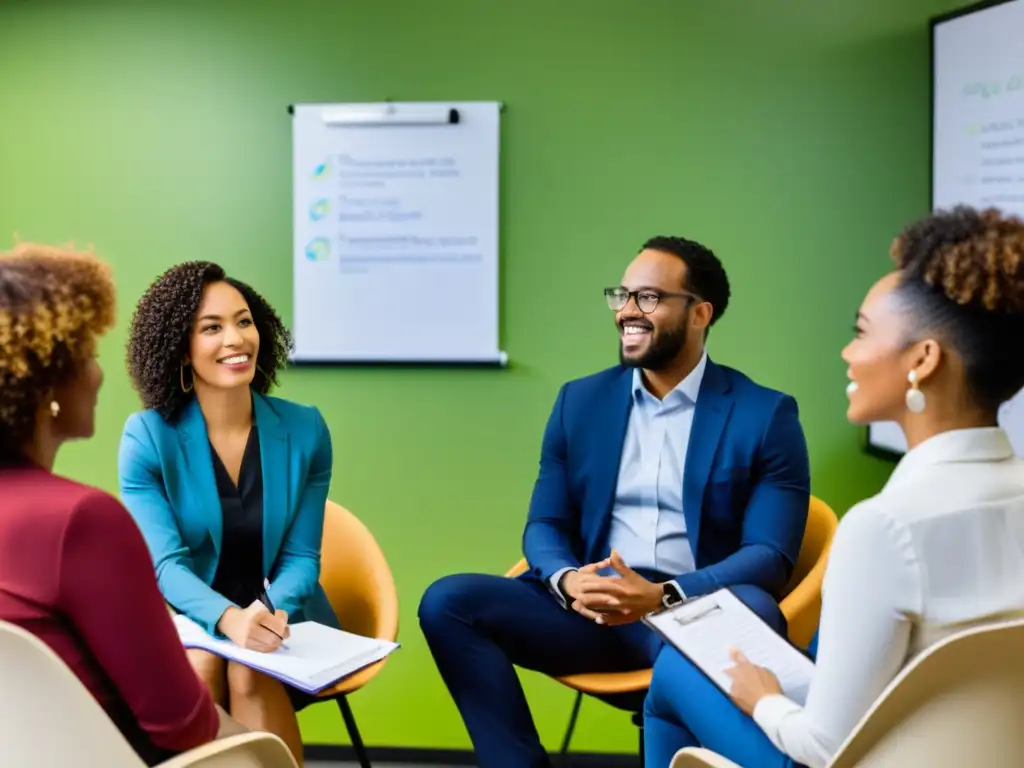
point(360, 588)
point(801, 606)
point(802, 602)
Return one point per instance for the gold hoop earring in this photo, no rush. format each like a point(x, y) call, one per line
point(181, 376)
point(54, 408)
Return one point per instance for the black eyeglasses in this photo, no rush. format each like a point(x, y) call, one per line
point(646, 299)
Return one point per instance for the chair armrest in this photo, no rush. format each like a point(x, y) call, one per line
point(692, 757)
point(248, 750)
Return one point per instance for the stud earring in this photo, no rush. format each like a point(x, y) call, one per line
point(54, 408)
point(915, 397)
point(181, 376)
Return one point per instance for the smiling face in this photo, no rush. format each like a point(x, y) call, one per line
point(225, 342)
point(879, 358)
point(654, 340)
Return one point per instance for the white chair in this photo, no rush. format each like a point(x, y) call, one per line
point(957, 704)
point(48, 718)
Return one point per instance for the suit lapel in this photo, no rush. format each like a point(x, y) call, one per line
point(275, 467)
point(195, 447)
point(709, 417)
point(611, 426)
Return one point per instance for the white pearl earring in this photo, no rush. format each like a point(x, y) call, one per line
point(915, 397)
point(54, 408)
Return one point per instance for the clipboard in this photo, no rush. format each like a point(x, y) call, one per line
point(705, 628)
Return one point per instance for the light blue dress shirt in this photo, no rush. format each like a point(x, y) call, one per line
point(648, 528)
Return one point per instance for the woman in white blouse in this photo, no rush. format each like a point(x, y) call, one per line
point(940, 548)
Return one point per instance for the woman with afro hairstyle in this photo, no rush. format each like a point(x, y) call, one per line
point(227, 483)
point(74, 570)
point(937, 349)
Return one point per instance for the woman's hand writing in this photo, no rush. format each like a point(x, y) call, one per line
point(255, 627)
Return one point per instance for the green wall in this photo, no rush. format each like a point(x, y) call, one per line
point(793, 140)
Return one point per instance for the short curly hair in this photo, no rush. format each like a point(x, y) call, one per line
point(705, 275)
point(54, 305)
point(161, 328)
point(962, 278)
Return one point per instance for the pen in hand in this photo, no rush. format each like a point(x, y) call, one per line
point(269, 605)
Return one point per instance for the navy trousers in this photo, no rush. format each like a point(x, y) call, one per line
point(479, 627)
point(685, 709)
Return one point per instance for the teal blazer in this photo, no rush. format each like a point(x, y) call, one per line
point(167, 483)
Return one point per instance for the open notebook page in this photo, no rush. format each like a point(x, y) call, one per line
point(704, 629)
point(314, 657)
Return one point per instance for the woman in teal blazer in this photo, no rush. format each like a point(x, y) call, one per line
point(227, 484)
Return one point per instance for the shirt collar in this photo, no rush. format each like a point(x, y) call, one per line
point(978, 444)
point(685, 391)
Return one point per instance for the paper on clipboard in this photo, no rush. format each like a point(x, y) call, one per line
point(704, 629)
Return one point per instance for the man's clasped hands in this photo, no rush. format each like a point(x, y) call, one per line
point(628, 597)
point(611, 600)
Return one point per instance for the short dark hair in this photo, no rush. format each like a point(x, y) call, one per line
point(705, 275)
point(962, 279)
point(161, 328)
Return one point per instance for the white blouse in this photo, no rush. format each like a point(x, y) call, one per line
point(938, 550)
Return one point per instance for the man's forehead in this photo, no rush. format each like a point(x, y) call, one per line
point(655, 269)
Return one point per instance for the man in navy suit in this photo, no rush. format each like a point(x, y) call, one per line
point(661, 479)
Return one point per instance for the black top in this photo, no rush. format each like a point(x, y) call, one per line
point(240, 569)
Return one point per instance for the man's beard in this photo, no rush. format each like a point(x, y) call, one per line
point(665, 348)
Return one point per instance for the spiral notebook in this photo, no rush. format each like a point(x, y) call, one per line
point(314, 656)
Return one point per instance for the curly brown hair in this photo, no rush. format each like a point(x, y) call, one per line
point(161, 327)
point(54, 305)
point(962, 278)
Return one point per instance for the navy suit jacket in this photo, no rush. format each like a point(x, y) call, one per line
point(746, 480)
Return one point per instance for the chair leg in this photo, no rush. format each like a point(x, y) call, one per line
point(572, 723)
point(638, 721)
point(353, 732)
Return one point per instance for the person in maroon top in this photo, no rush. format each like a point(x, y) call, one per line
point(74, 568)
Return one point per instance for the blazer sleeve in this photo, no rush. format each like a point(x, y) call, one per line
point(298, 565)
point(142, 492)
point(116, 609)
point(552, 531)
point(775, 517)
